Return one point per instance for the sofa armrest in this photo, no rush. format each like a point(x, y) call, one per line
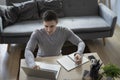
point(108, 16)
point(1, 25)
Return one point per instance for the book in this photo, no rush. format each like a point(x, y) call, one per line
point(68, 61)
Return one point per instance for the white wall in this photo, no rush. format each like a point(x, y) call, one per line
point(115, 6)
point(2, 2)
point(118, 12)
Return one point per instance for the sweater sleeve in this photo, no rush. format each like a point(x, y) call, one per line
point(74, 39)
point(29, 57)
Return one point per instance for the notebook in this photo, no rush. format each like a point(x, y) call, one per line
point(47, 71)
point(68, 61)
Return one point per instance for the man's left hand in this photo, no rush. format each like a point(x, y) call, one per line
point(78, 58)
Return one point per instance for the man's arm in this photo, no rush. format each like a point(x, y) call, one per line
point(81, 47)
point(29, 57)
point(73, 38)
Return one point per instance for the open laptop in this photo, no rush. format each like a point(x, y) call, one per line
point(47, 71)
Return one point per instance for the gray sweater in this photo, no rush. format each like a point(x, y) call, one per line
point(50, 45)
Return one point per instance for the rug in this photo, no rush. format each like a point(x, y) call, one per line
point(69, 48)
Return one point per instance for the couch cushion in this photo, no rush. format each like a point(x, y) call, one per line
point(84, 24)
point(24, 28)
point(10, 2)
point(8, 14)
point(80, 7)
point(27, 10)
point(77, 24)
point(55, 5)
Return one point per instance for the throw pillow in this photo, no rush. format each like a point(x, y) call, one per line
point(8, 14)
point(55, 5)
point(27, 10)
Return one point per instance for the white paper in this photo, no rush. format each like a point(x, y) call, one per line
point(84, 59)
point(72, 56)
point(68, 62)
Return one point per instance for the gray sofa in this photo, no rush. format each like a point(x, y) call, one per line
point(87, 18)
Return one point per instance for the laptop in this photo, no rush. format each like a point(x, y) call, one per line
point(47, 71)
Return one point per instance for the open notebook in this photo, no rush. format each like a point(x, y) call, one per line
point(68, 61)
point(47, 71)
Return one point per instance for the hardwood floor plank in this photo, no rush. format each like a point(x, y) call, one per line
point(10, 64)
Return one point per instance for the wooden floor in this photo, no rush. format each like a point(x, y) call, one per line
point(110, 53)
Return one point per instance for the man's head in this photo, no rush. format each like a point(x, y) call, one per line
point(50, 21)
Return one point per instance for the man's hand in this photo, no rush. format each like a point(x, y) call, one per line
point(36, 67)
point(78, 58)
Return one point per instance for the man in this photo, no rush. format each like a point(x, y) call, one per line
point(50, 40)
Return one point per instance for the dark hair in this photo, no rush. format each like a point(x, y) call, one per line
point(49, 15)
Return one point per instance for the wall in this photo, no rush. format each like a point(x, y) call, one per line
point(118, 12)
point(115, 6)
point(2, 2)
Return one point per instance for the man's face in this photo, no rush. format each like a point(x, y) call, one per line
point(50, 26)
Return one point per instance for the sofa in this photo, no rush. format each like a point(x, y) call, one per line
point(87, 18)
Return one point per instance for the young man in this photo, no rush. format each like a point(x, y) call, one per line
point(50, 40)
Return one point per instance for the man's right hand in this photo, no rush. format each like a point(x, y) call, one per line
point(36, 67)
